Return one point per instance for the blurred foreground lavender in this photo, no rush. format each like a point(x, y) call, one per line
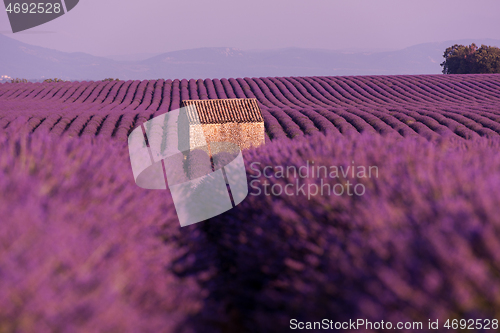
point(422, 243)
point(82, 248)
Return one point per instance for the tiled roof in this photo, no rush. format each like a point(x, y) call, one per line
point(218, 111)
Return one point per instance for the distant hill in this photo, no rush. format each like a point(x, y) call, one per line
point(22, 60)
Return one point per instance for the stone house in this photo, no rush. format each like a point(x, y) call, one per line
point(235, 120)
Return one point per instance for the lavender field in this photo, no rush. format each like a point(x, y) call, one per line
point(83, 249)
point(423, 105)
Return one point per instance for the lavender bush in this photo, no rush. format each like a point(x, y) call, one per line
point(421, 243)
point(82, 248)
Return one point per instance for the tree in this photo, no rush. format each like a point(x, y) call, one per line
point(488, 59)
point(460, 59)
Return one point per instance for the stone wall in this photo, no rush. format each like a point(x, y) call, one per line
point(245, 135)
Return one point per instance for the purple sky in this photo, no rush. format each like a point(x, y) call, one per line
point(111, 27)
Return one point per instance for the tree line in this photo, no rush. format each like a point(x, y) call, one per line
point(460, 59)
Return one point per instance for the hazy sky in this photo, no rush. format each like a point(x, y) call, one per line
point(111, 27)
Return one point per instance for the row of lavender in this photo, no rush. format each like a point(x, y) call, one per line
point(78, 120)
point(84, 249)
point(292, 92)
point(428, 105)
